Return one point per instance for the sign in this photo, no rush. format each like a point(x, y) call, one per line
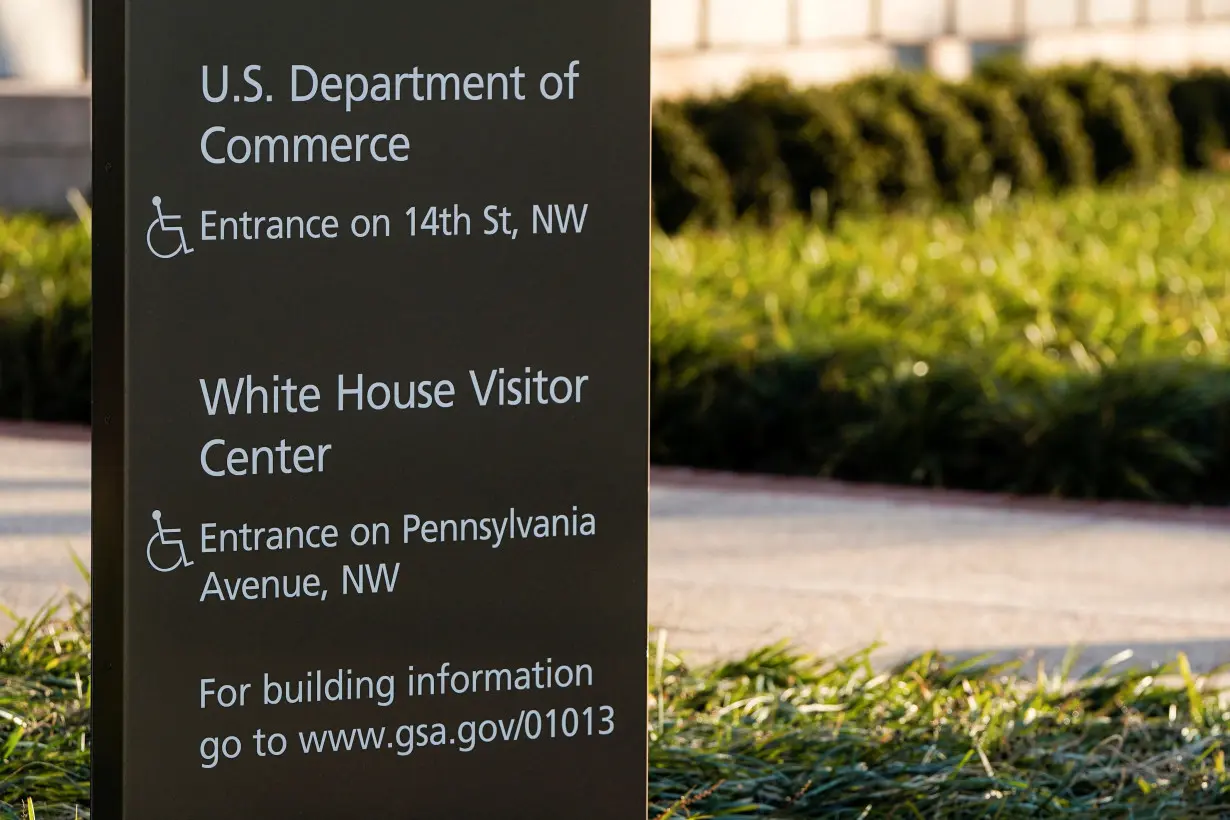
point(371, 408)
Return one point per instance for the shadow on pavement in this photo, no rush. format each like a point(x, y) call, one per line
point(1204, 655)
point(46, 524)
point(40, 485)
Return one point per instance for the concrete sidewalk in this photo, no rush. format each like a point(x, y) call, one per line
point(743, 564)
point(44, 519)
point(736, 564)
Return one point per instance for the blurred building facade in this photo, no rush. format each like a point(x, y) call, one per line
point(44, 41)
point(698, 46)
point(704, 45)
point(44, 103)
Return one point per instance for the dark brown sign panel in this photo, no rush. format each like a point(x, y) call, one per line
point(371, 408)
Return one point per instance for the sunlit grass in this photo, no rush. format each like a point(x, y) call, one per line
point(1080, 282)
point(780, 735)
point(1075, 346)
point(44, 715)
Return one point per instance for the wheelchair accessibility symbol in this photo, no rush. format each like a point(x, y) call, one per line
point(172, 548)
point(164, 233)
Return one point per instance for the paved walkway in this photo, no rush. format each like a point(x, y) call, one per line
point(737, 564)
point(742, 565)
point(44, 519)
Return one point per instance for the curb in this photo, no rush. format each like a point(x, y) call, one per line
point(683, 478)
point(44, 431)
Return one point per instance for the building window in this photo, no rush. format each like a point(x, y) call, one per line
point(910, 56)
point(983, 50)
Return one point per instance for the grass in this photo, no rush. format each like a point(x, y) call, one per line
point(44, 715)
point(779, 735)
point(1076, 345)
point(45, 317)
point(1078, 283)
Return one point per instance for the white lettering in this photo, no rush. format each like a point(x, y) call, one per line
point(295, 95)
point(307, 84)
point(283, 149)
point(279, 459)
point(496, 530)
point(407, 395)
point(258, 588)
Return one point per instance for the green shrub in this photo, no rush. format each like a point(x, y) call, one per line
point(1056, 123)
point(1123, 146)
point(45, 320)
point(1201, 104)
point(822, 150)
point(894, 147)
point(1005, 133)
point(743, 136)
point(816, 140)
point(959, 158)
point(689, 184)
point(1002, 69)
point(788, 150)
point(1079, 346)
point(1150, 91)
point(1155, 433)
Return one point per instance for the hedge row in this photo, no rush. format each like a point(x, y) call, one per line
point(901, 140)
point(1077, 346)
point(45, 320)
